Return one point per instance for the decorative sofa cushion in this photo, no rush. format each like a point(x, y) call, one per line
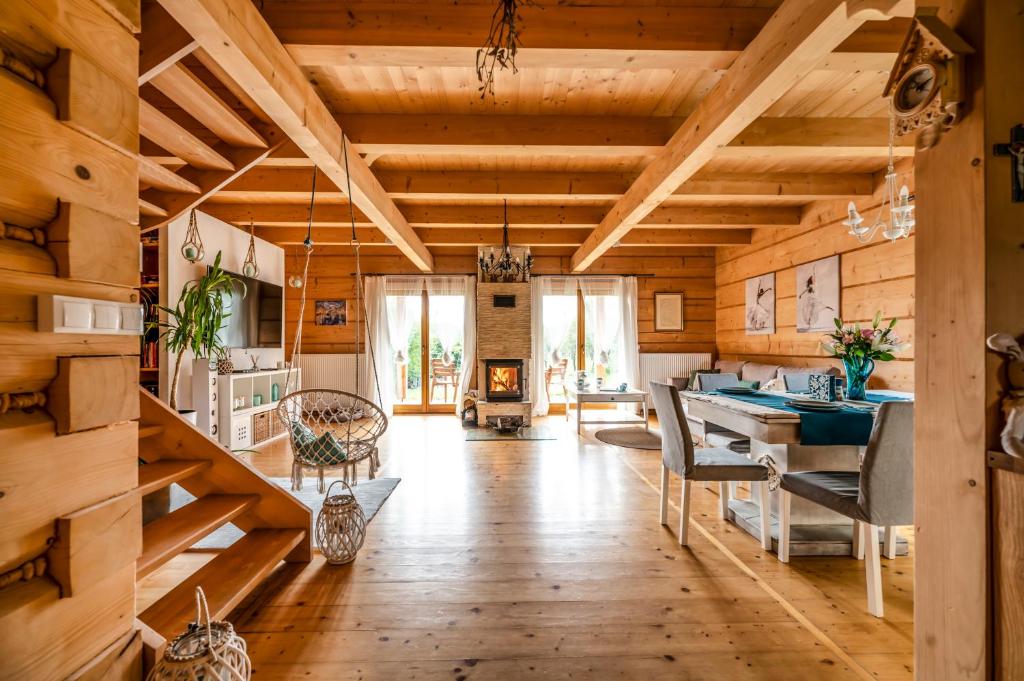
point(762, 373)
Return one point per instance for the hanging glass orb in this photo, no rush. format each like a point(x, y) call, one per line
point(250, 270)
point(295, 281)
point(192, 248)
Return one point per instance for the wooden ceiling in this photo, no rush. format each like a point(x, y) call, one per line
point(604, 96)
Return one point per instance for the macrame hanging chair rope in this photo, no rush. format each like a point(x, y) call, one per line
point(314, 418)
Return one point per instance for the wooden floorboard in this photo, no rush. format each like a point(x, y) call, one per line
point(544, 560)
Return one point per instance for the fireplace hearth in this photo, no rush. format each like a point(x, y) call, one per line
point(504, 380)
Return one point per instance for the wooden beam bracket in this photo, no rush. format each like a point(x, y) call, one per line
point(75, 401)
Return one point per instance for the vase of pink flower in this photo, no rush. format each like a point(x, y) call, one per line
point(859, 349)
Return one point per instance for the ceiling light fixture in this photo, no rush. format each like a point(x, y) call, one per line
point(505, 267)
point(901, 211)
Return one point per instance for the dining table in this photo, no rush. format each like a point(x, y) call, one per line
point(791, 439)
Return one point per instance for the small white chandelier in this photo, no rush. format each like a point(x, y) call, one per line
point(901, 212)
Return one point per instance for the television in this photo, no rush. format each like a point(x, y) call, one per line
point(255, 315)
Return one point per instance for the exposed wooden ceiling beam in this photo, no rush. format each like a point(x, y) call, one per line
point(162, 42)
point(560, 236)
point(208, 181)
point(575, 136)
point(155, 175)
point(291, 185)
point(796, 38)
point(335, 215)
point(160, 129)
point(316, 33)
point(196, 98)
point(239, 40)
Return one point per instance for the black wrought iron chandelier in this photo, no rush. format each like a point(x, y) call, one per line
point(505, 267)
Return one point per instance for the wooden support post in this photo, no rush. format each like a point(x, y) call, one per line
point(95, 541)
point(90, 392)
point(73, 237)
point(93, 102)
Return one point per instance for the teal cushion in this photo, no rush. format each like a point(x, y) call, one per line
point(302, 434)
point(750, 384)
point(324, 450)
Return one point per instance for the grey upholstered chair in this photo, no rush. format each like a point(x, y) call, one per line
point(797, 383)
point(709, 382)
point(703, 465)
point(881, 494)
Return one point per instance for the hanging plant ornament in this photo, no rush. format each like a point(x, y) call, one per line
point(192, 248)
point(249, 267)
point(205, 651)
point(499, 51)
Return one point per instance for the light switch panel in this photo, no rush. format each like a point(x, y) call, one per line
point(67, 314)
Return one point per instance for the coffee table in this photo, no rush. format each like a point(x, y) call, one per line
point(581, 397)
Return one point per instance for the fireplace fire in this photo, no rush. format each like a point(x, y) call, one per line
point(504, 380)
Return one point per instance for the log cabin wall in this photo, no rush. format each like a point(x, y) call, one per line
point(68, 178)
point(874, 276)
point(690, 270)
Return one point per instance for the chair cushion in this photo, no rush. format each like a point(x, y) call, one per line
point(716, 463)
point(762, 373)
point(730, 440)
point(836, 490)
point(831, 371)
point(729, 366)
point(753, 385)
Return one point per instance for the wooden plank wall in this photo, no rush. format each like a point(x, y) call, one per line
point(876, 276)
point(57, 147)
point(692, 272)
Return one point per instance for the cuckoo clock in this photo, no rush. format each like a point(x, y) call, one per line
point(926, 87)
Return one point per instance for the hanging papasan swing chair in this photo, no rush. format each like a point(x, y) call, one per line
point(332, 429)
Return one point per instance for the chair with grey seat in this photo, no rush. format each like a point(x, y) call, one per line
point(797, 383)
point(716, 436)
point(711, 464)
point(881, 494)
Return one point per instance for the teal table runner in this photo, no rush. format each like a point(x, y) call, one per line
point(848, 426)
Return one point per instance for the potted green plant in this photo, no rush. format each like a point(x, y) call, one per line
point(194, 322)
point(859, 349)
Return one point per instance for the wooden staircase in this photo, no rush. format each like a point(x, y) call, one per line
point(276, 525)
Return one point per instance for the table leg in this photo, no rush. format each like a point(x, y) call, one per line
point(647, 423)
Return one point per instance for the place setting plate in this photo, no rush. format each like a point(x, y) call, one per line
point(812, 405)
point(738, 390)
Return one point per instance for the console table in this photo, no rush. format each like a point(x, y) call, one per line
point(581, 397)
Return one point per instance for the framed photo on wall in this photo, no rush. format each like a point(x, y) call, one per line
point(817, 295)
point(668, 311)
point(331, 313)
point(759, 310)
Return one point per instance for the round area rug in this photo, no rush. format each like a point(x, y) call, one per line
point(634, 438)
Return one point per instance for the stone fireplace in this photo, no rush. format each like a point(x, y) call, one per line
point(503, 380)
point(504, 349)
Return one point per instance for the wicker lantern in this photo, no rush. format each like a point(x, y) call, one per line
point(340, 526)
point(205, 652)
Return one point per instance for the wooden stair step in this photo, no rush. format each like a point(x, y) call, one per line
point(167, 537)
point(226, 579)
point(149, 430)
point(160, 474)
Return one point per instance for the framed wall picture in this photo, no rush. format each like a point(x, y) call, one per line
point(817, 295)
point(759, 310)
point(668, 311)
point(331, 313)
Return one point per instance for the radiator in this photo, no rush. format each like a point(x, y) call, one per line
point(658, 366)
point(331, 372)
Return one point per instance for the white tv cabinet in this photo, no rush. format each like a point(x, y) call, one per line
point(246, 424)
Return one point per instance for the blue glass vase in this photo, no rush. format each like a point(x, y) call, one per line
point(858, 371)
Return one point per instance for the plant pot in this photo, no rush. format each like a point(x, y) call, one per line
point(190, 415)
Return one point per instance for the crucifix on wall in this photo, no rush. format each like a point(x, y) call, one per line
point(1015, 150)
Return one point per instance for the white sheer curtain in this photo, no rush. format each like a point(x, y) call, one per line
point(549, 325)
point(453, 319)
point(404, 305)
point(604, 325)
point(378, 338)
point(630, 337)
point(537, 364)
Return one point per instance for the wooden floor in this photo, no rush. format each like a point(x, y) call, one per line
point(545, 560)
